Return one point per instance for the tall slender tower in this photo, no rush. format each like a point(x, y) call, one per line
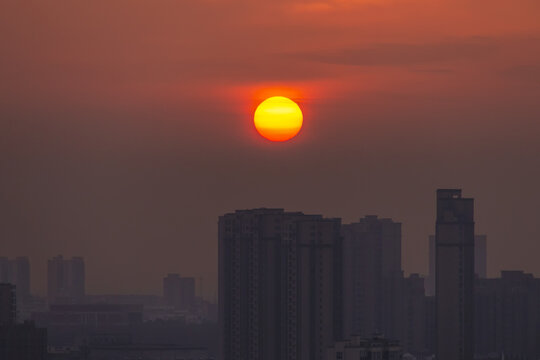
point(279, 285)
point(480, 261)
point(454, 276)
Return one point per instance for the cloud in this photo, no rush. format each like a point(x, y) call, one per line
point(528, 73)
point(398, 54)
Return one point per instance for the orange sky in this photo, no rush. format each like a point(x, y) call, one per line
point(399, 96)
point(104, 51)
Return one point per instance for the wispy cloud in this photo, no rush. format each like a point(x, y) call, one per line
point(397, 54)
point(529, 73)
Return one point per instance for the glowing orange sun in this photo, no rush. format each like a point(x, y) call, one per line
point(278, 118)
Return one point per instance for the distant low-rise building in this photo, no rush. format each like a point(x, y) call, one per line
point(360, 348)
point(74, 324)
point(146, 352)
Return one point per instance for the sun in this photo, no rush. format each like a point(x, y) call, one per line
point(278, 118)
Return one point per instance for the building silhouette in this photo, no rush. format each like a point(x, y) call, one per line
point(18, 341)
point(431, 324)
point(7, 304)
point(145, 351)
point(179, 291)
point(73, 324)
point(480, 256)
point(65, 280)
point(454, 276)
point(507, 316)
point(373, 277)
point(480, 261)
point(17, 272)
point(415, 316)
point(279, 285)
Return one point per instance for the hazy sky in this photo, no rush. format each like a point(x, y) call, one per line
point(126, 126)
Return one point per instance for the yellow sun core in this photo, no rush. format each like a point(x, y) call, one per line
point(278, 118)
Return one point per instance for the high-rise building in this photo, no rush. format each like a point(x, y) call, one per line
point(480, 256)
point(179, 291)
point(486, 315)
point(430, 279)
point(18, 341)
point(454, 276)
point(431, 326)
point(17, 272)
point(480, 261)
point(7, 304)
point(65, 280)
point(507, 316)
point(413, 338)
point(373, 277)
point(23, 342)
point(279, 285)
point(5, 276)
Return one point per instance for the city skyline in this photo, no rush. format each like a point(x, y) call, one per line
point(272, 179)
point(270, 259)
point(304, 286)
point(126, 127)
point(211, 292)
point(280, 285)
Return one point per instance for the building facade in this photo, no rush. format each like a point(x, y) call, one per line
point(179, 291)
point(74, 324)
point(146, 352)
point(17, 272)
point(18, 341)
point(480, 261)
point(7, 304)
point(454, 276)
point(480, 256)
point(507, 316)
point(279, 285)
point(65, 280)
point(373, 277)
point(414, 334)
